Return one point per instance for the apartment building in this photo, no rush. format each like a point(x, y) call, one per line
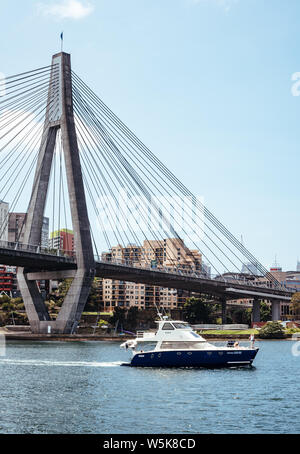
point(171, 254)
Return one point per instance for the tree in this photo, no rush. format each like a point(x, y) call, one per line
point(240, 315)
point(7, 307)
point(146, 318)
point(94, 299)
point(295, 306)
point(18, 304)
point(198, 311)
point(272, 330)
point(4, 299)
point(265, 312)
point(103, 323)
point(119, 315)
point(132, 317)
point(62, 291)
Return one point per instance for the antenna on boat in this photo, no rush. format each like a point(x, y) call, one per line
point(167, 315)
point(160, 315)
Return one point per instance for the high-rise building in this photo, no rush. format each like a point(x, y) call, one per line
point(45, 233)
point(16, 229)
point(4, 207)
point(170, 254)
point(63, 240)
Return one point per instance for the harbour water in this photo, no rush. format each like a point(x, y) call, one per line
point(79, 387)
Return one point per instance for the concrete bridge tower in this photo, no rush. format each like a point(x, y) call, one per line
point(59, 115)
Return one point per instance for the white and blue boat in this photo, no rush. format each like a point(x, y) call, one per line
point(176, 344)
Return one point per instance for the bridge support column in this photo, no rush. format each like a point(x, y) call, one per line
point(275, 311)
point(224, 311)
point(256, 311)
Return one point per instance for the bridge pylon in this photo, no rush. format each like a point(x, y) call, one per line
point(59, 115)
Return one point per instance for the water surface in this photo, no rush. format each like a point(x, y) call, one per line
point(79, 387)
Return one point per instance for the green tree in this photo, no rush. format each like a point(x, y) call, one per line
point(61, 292)
point(265, 312)
point(272, 330)
point(7, 307)
point(295, 306)
point(118, 316)
point(146, 318)
point(240, 315)
point(17, 301)
point(198, 310)
point(18, 304)
point(103, 323)
point(94, 300)
point(4, 299)
point(132, 317)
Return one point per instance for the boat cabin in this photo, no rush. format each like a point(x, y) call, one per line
point(171, 331)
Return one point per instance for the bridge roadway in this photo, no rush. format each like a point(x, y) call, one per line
point(41, 265)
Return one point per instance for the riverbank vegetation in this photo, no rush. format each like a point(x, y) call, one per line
point(201, 310)
point(295, 306)
point(195, 311)
point(272, 330)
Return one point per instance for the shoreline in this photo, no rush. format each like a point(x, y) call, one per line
point(26, 336)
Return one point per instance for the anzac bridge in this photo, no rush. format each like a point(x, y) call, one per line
point(64, 152)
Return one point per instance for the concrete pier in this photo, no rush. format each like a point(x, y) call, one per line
point(224, 311)
point(275, 311)
point(256, 311)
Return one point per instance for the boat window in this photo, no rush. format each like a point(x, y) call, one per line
point(182, 345)
point(168, 326)
point(181, 325)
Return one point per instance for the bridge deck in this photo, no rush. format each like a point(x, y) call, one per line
point(36, 261)
point(233, 290)
point(39, 262)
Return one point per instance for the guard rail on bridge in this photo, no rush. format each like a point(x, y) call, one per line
point(22, 247)
point(194, 274)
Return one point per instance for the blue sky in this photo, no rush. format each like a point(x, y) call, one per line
point(206, 84)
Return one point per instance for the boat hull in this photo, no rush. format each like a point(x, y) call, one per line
point(199, 358)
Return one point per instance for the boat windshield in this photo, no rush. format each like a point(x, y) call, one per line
point(181, 325)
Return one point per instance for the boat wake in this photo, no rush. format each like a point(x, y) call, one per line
point(34, 362)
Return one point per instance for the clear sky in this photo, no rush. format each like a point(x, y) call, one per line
point(206, 84)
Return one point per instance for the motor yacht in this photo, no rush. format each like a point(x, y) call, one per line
point(176, 344)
